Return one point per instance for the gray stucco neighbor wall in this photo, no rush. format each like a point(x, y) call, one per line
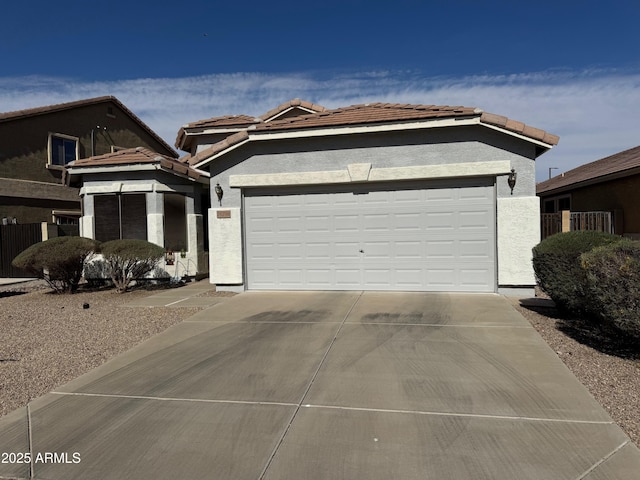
point(429, 147)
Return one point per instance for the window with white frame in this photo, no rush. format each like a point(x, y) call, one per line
point(62, 149)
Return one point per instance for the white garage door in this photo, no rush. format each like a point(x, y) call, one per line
point(434, 236)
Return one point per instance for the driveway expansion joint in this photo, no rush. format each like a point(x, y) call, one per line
point(306, 392)
point(173, 399)
point(603, 460)
point(466, 415)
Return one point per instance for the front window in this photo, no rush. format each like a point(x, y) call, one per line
point(120, 216)
point(62, 149)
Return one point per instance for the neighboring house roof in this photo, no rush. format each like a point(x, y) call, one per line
point(237, 123)
point(134, 158)
point(31, 112)
point(614, 166)
point(380, 114)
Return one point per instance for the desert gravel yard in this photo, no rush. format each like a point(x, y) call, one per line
point(48, 339)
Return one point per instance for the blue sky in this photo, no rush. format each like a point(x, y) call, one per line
point(569, 67)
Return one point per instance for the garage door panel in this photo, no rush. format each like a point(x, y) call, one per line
point(344, 224)
point(319, 251)
point(381, 237)
point(348, 277)
point(440, 221)
point(440, 250)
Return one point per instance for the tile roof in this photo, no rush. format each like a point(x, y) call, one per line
point(224, 121)
point(30, 112)
point(365, 114)
point(369, 114)
point(296, 102)
point(613, 166)
point(136, 156)
point(242, 122)
point(389, 112)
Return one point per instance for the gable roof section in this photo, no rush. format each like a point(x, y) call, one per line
point(135, 157)
point(614, 166)
point(290, 109)
point(236, 123)
point(382, 115)
point(31, 112)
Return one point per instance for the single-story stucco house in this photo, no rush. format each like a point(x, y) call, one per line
point(370, 197)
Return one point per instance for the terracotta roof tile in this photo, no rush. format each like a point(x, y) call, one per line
point(296, 102)
point(135, 156)
point(367, 114)
point(239, 121)
point(594, 172)
point(519, 127)
point(230, 141)
point(18, 114)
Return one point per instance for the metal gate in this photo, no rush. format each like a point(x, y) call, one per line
point(13, 240)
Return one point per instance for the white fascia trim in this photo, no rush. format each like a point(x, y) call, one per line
point(422, 172)
point(113, 168)
point(308, 110)
point(349, 130)
point(219, 154)
point(321, 132)
point(517, 135)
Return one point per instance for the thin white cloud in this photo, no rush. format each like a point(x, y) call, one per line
point(595, 113)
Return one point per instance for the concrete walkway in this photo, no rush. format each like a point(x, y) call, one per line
point(327, 385)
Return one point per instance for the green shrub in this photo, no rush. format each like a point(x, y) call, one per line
point(556, 262)
point(127, 260)
point(612, 274)
point(59, 261)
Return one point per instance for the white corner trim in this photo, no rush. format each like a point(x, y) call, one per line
point(421, 172)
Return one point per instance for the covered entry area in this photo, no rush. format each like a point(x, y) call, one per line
point(434, 235)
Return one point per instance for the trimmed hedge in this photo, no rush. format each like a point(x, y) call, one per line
point(127, 260)
point(556, 262)
point(612, 282)
point(59, 261)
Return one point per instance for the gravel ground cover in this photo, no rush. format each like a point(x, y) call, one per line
point(604, 361)
point(48, 340)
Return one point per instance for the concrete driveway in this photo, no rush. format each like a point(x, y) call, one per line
point(327, 385)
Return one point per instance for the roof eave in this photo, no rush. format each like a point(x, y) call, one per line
point(542, 146)
point(590, 181)
point(414, 124)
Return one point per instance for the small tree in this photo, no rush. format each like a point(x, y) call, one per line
point(59, 261)
point(128, 260)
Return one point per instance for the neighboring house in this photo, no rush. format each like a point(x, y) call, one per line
point(370, 197)
point(37, 144)
point(139, 194)
point(611, 184)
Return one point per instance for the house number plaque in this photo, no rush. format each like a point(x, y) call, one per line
point(223, 214)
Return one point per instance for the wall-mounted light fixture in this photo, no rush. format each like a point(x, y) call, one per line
point(219, 193)
point(512, 179)
point(169, 257)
